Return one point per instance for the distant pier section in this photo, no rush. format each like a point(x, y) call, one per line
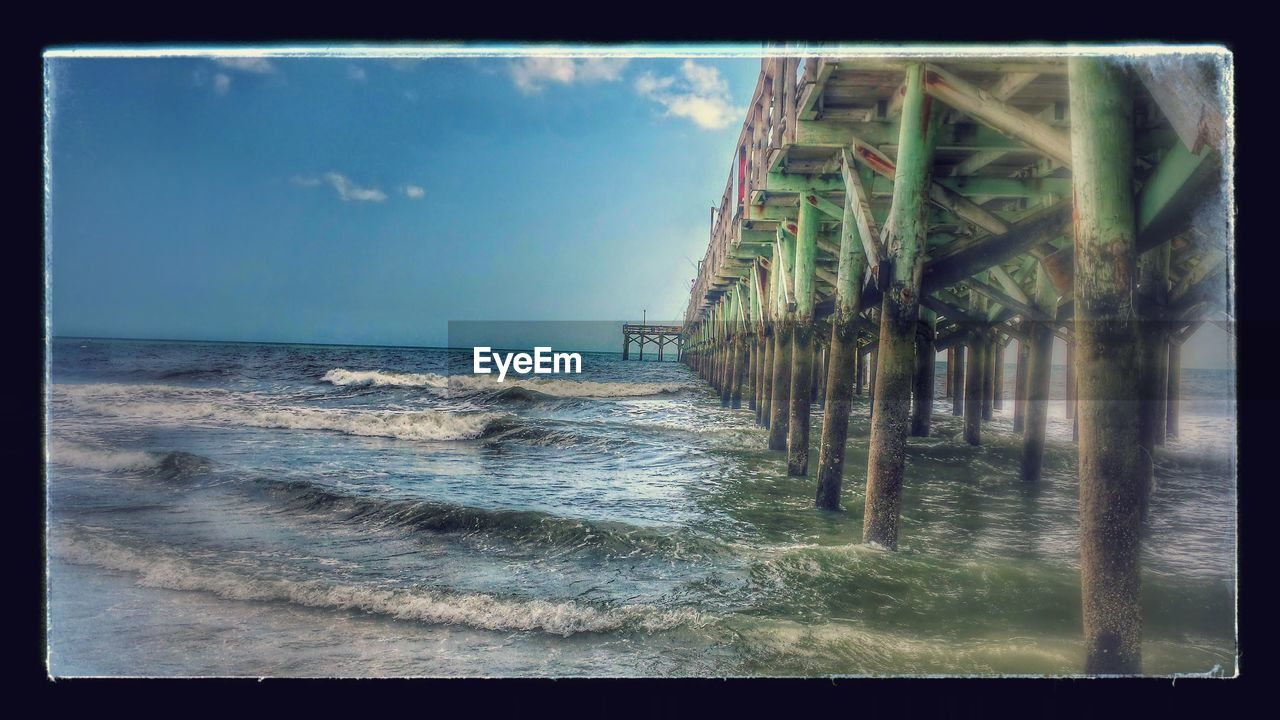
point(660, 335)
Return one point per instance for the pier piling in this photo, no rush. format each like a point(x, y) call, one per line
point(1020, 385)
point(780, 403)
point(802, 339)
point(926, 368)
point(906, 243)
point(1039, 369)
point(957, 380)
point(844, 365)
point(973, 388)
point(1112, 466)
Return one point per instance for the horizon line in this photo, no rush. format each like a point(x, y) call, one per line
point(407, 347)
point(310, 344)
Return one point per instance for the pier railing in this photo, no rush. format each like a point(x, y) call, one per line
point(769, 125)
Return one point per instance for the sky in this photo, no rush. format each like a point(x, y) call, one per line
point(373, 201)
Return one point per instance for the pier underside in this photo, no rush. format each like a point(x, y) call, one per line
point(895, 208)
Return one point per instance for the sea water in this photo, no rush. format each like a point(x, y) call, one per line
point(257, 509)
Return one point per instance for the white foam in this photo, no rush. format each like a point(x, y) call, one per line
point(84, 456)
point(488, 383)
point(562, 388)
point(166, 570)
point(379, 378)
point(178, 406)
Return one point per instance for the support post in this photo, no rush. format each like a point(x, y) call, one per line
point(844, 364)
point(957, 380)
point(1173, 408)
point(1020, 386)
point(1038, 376)
point(1071, 381)
point(766, 376)
point(1153, 291)
point(906, 243)
point(989, 376)
point(860, 377)
point(997, 401)
point(1112, 464)
point(780, 403)
point(973, 387)
point(926, 368)
point(951, 358)
point(802, 340)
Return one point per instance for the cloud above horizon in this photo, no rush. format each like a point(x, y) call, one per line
point(252, 65)
point(698, 94)
point(347, 190)
point(227, 66)
point(533, 74)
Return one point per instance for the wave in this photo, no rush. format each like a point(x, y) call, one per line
point(523, 527)
point(92, 458)
point(378, 378)
point(507, 389)
point(165, 569)
point(185, 405)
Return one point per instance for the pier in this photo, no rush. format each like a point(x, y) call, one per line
point(879, 211)
point(660, 335)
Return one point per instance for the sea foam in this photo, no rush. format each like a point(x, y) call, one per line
point(165, 569)
point(182, 406)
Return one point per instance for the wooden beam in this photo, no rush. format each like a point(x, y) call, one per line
point(1022, 308)
point(810, 99)
point(959, 260)
point(952, 312)
point(1001, 116)
point(860, 204)
point(1010, 285)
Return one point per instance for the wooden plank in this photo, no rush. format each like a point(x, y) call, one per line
point(787, 183)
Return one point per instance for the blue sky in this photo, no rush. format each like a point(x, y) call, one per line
point(372, 201)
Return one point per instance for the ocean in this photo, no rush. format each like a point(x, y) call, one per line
point(298, 510)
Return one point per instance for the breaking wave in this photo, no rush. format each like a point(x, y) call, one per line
point(182, 406)
point(522, 527)
point(168, 570)
point(378, 378)
point(488, 384)
point(92, 458)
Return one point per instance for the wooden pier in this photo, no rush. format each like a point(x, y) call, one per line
point(892, 208)
point(660, 335)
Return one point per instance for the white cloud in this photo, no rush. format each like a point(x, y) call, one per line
point(346, 189)
point(221, 83)
point(356, 73)
point(699, 94)
point(532, 74)
point(414, 192)
point(254, 65)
